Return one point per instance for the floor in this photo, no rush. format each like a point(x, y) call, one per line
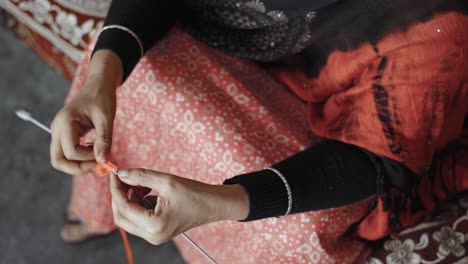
point(33, 195)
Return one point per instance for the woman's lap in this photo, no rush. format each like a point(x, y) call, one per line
point(197, 113)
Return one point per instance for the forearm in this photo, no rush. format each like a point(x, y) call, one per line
point(106, 66)
point(329, 174)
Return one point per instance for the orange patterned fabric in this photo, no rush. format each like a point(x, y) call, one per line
point(193, 111)
point(404, 98)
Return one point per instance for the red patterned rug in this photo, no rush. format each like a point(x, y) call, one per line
point(57, 30)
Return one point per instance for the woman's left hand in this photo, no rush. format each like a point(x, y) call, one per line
point(182, 204)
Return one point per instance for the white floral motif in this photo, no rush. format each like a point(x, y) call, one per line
point(272, 130)
point(229, 165)
point(150, 77)
point(423, 242)
point(69, 28)
point(65, 24)
point(315, 257)
point(402, 253)
point(190, 126)
point(304, 38)
point(256, 5)
point(277, 247)
point(278, 16)
point(373, 261)
point(305, 219)
point(304, 248)
point(39, 8)
point(310, 16)
point(240, 98)
point(450, 241)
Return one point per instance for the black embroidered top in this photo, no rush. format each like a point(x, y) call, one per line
point(266, 30)
point(260, 30)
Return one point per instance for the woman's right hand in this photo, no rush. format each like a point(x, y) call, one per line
point(94, 107)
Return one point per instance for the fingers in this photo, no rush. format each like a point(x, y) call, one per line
point(72, 149)
point(103, 141)
point(65, 152)
point(131, 228)
point(59, 162)
point(126, 225)
point(133, 218)
point(122, 221)
point(122, 206)
point(148, 202)
point(158, 181)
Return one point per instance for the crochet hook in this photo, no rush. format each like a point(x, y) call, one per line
point(26, 116)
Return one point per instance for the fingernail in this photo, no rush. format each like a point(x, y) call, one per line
point(114, 171)
point(123, 173)
point(130, 194)
point(101, 156)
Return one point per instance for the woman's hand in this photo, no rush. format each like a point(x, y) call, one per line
point(182, 204)
point(94, 107)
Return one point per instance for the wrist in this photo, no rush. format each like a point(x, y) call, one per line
point(235, 202)
point(105, 68)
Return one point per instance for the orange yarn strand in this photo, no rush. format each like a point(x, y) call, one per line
point(104, 169)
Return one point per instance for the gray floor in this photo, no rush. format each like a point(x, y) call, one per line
point(32, 195)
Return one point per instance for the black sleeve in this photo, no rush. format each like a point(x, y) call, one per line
point(150, 20)
point(329, 174)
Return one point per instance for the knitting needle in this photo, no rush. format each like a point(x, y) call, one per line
point(26, 116)
point(198, 248)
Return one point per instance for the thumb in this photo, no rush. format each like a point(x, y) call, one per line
point(155, 180)
point(103, 141)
